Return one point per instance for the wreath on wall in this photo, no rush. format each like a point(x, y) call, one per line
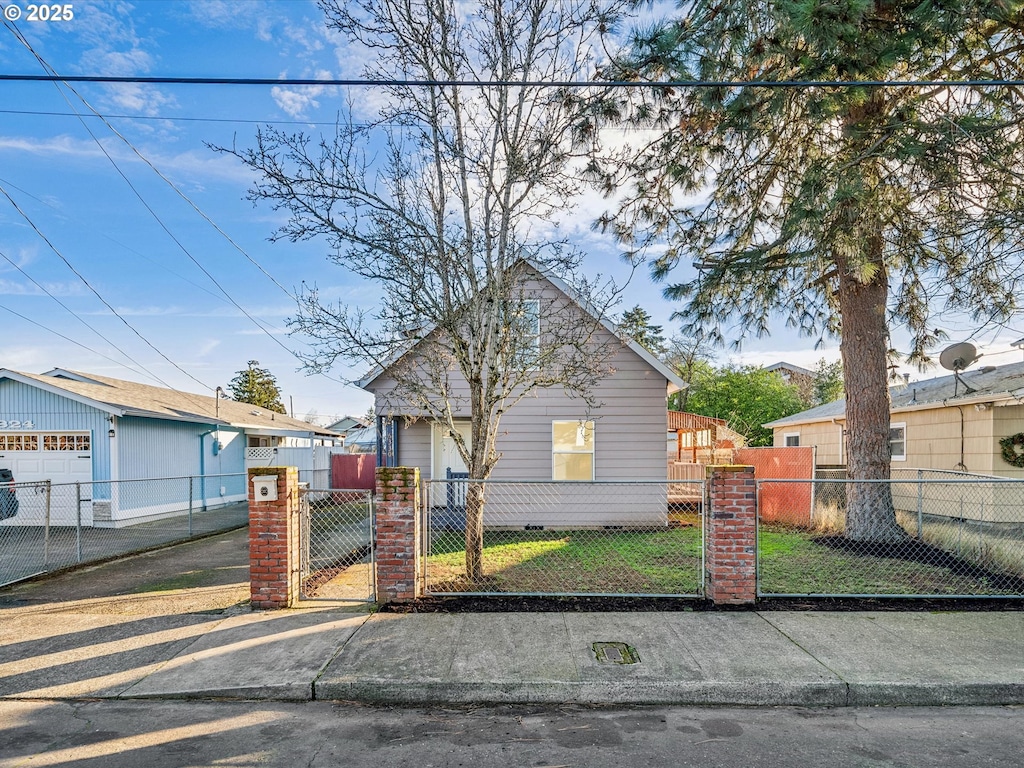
point(1013, 449)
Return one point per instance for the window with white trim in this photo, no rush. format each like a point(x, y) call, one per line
point(572, 450)
point(898, 442)
point(791, 439)
point(19, 441)
point(526, 336)
point(65, 442)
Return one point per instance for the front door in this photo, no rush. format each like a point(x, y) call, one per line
point(446, 456)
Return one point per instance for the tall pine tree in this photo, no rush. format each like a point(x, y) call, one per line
point(257, 386)
point(848, 208)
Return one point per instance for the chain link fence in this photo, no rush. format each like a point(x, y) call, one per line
point(565, 538)
point(336, 545)
point(923, 533)
point(55, 526)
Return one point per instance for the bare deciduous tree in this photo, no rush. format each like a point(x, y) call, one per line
point(443, 203)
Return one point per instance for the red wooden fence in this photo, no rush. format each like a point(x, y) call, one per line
point(352, 471)
point(788, 503)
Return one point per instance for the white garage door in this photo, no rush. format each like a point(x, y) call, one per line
point(60, 457)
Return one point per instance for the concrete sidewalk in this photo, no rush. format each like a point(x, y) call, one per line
point(728, 658)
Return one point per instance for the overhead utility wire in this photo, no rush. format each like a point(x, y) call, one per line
point(46, 66)
point(78, 317)
point(58, 80)
point(66, 338)
point(153, 213)
point(133, 251)
point(96, 293)
point(426, 83)
point(165, 118)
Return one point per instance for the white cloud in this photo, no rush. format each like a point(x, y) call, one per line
point(113, 47)
point(27, 288)
point(141, 99)
point(197, 166)
point(56, 145)
point(206, 347)
point(28, 358)
point(297, 101)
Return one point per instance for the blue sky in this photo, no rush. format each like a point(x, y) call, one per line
point(145, 250)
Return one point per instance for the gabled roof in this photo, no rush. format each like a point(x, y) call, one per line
point(1000, 386)
point(347, 423)
point(128, 398)
point(670, 376)
point(784, 366)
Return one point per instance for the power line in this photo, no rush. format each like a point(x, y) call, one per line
point(154, 214)
point(66, 338)
point(78, 317)
point(133, 251)
point(58, 80)
point(96, 293)
point(164, 118)
point(427, 83)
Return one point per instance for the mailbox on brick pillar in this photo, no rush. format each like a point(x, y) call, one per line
point(264, 487)
point(273, 537)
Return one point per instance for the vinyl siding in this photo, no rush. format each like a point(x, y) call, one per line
point(824, 437)
point(630, 424)
point(1006, 420)
point(934, 437)
point(52, 412)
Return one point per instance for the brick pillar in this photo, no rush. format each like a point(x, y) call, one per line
point(398, 534)
point(730, 531)
point(274, 540)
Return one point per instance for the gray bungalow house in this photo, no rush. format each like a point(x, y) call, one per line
point(72, 427)
point(549, 435)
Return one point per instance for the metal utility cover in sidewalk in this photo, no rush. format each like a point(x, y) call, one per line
point(616, 653)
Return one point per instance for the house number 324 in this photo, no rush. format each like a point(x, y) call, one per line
point(16, 424)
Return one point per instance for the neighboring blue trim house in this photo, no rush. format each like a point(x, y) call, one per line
point(70, 427)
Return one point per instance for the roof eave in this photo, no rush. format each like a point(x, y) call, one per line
point(99, 405)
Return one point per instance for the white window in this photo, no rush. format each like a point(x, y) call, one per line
point(64, 442)
point(791, 439)
point(898, 442)
point(526, 333)
point(572, 450)
point(19, 442)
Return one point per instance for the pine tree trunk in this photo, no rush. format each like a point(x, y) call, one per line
point(870, 515)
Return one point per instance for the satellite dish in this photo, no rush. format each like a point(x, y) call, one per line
point(958, 356)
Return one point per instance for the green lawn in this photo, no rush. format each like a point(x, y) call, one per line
point(803, 562)
point(664, 561)
point(668, 561)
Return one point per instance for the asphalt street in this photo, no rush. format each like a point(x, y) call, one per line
point(170, 734)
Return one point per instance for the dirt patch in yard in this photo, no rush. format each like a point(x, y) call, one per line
point(914, 551)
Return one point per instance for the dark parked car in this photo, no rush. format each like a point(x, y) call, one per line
point(8, 499)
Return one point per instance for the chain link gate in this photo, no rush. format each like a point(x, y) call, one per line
point(336, 558)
